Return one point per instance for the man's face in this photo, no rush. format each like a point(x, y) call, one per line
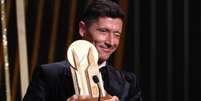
point(104, 34)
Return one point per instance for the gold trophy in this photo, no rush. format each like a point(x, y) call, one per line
point(86, 76)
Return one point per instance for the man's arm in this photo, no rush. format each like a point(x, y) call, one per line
point(134, 91)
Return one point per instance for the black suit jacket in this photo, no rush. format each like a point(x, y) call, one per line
point(53, 82)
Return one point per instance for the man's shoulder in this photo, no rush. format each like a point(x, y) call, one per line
point(55, 67)
point(111, 68)
point(58, 64)
point(129, 76)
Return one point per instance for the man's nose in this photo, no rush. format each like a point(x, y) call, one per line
point(110, 39)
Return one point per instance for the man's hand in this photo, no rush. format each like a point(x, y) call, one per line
point(114, 98)
point(78, 98)
point(87, 98)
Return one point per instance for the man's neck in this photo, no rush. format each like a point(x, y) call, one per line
point(102, 64)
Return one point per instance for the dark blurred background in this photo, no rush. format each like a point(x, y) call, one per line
point(161, 44)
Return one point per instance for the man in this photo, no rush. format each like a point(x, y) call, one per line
point(101, 24)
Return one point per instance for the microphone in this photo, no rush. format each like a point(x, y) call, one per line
point(96, 80)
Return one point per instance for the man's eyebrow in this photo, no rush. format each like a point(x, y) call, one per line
point(103, 28)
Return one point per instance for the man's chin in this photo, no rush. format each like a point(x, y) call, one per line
point(103, 58)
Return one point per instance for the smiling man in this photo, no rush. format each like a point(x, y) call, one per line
point(101, 24)
point(104, 33)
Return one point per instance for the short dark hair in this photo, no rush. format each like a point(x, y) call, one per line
point(102, 8)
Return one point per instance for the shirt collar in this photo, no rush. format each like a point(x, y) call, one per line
point(102, 64)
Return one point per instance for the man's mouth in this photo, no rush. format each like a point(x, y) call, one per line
point(106, 49)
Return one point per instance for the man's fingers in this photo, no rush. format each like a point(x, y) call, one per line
point(86, 98)
point(73, 98)
point(114, 98)
point(77, 98)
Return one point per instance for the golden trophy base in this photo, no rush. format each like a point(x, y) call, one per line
point(102, 98)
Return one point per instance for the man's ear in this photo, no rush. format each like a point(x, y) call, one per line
point(82, 28)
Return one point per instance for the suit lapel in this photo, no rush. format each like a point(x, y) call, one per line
point(114, 82)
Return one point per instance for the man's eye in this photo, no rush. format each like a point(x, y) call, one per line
point(117, 34)
point(102, 30)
